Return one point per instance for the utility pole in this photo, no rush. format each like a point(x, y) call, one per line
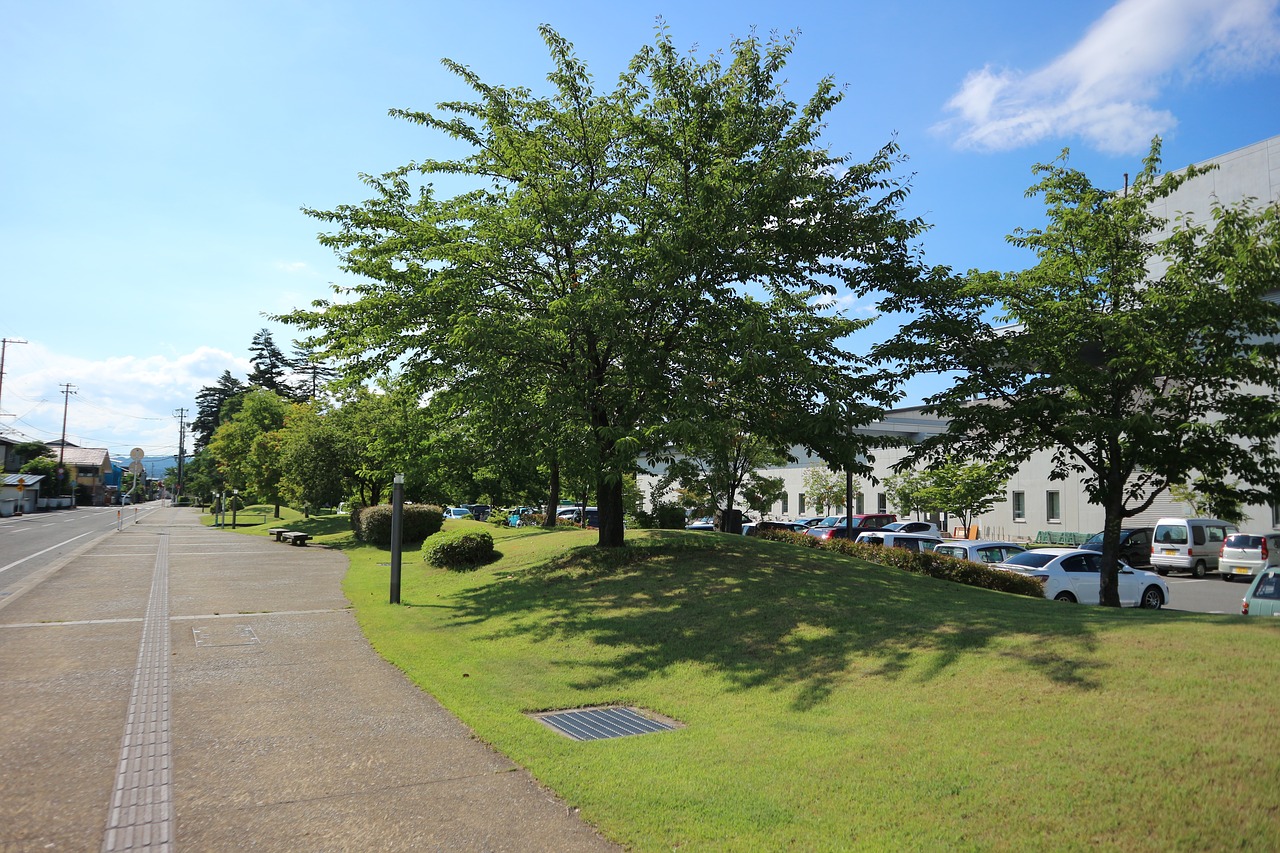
point(62, 448)
point(182, 451)
point(4, 345)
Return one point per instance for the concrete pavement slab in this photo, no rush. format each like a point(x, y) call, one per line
point(282, 729)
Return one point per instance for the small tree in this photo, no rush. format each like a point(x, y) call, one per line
point(967, 489)
point(824, 487)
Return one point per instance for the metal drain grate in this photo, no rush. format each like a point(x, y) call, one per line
point(601, 723)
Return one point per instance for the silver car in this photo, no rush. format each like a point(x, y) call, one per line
point(980, 551)
point(1243, 555)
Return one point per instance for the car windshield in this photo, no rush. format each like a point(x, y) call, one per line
point(1030, 559)
point(831, 521)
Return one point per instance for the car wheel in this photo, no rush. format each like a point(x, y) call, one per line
point(1065, 596)
point(1152, 598)
point(1197, 571)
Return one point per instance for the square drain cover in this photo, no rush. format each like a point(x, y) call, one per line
point(225, 635)
point(600, 723)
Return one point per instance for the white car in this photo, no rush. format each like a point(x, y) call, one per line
point(457, 512)
point(910, 541)
point(1072, 574)
point(979, 551)
point(927, 527)
point(1246, 554)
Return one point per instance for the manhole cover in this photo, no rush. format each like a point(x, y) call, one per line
point(600, 723)
point(239, 635)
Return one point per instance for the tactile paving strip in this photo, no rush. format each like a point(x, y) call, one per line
point(141, 816)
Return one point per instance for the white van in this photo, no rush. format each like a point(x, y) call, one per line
point(1188, 544)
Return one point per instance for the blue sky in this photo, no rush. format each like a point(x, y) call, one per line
point(155, 155)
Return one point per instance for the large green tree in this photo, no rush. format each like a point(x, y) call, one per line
point(1139, 353)
point(247, 449)
point(213, 407)
point(628, 247)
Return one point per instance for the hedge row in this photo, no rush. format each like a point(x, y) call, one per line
point(929, 563)
point(372, 524)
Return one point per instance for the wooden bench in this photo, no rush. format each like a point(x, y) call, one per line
point(295, 537)
point(278, 532)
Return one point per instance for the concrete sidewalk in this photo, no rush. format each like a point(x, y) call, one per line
point(177, 687)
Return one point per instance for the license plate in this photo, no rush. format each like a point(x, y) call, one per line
point(1241, 570)
point(1169, 553)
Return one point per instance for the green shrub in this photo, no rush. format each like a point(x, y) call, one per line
point(353, 517)
point(670, 517)
point(461, 551)
point(934, 565)
point(418, 521)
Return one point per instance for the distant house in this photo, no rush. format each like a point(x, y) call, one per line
point(88, 468)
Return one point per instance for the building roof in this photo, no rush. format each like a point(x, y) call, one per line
point(27, 479)
point(83, 456)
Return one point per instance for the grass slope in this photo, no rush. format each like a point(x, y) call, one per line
point(830, 703)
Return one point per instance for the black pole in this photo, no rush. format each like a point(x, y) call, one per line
point(848, 503)
point(397, 514)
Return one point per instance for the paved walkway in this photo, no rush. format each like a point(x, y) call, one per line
point(173, 687)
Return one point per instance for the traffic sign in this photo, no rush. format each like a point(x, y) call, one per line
point(136, 454)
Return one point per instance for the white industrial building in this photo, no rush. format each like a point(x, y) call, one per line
point(1035, 503)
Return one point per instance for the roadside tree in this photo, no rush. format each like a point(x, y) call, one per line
point(636, 245)
point(1139, 352)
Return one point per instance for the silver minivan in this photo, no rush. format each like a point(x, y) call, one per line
point(1188, 544)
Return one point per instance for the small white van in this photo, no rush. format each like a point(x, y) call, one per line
point(1188, 544)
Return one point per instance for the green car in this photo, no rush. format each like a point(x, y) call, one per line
point(1263, 597)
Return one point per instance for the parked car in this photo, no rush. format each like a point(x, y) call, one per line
point(457, 512)
point(704, 523)
point(1073, 574)
point(1245, 554)
point(1263, 597)
point(913, 527)
point(979, 551)
point(479, 511)
point(836, 526)
point(910, 541)
point(809, 521)
point(1135, 545)
point(1189, 544)
point(752, 528)
point(574, 514)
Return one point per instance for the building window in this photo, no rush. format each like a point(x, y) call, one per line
point(800, 502)
point(1053, 506)
point(882, 503)
point(1019, 506)
point(857, 501)
point(784, 504)
point(1275, 515)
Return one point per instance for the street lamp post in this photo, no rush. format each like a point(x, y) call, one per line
point(234, 493)
point(397, 515)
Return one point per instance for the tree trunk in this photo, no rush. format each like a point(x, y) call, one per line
point(609, 504)
point(553, 492)
point(1109, 576)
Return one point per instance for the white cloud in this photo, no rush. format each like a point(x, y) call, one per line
point(1102, 89)
point(291, 266)
point(119, 402)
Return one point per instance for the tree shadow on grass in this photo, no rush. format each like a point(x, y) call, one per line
point(768, 614)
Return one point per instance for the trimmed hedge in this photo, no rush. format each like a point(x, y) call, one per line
point(934, 565)
point(461, 551)
point(372, 524)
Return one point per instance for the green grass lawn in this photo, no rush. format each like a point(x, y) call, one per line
point(829, 703)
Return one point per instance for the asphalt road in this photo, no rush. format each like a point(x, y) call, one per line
point(35, 544)
point(1210, 594)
